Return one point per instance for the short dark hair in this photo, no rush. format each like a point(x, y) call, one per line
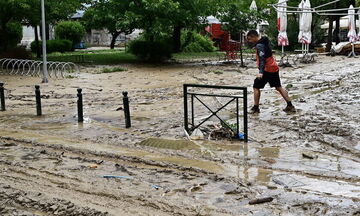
point(252, 33)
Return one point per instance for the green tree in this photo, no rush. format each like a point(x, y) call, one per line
point(110, 15)
point(167, 18)
point(10, 18)
point(237, 19)
point(55, 11)
point(70, 30)
point(190, 14)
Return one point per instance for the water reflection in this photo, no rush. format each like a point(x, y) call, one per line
point(253, 173)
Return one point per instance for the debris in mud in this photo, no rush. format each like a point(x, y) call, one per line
point(309, 156)
point(269, 160)
point(119, 108)
point(196, 188)
point(123, 169)
point(156, 187)
point(197, 135)
point(92, 166)
point(236, 191)
point(117, 177)
point(222, 133)
point(286, 180)
point(261, 200)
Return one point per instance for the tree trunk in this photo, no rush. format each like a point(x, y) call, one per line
point(337, 30)
point(241, 51)
point(177, 39)
point(330, 34)
point(38, 52)
point(152, 38)
point(113, 39)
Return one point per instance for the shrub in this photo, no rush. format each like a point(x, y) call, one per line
point(156, 51)
point(112, 70)
point(16, 53)
point(11, 35)
point(59, 45)
point(53, 46)
point(70, 30)
point(194, 42)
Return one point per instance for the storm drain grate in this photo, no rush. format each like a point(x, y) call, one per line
point(169, 144)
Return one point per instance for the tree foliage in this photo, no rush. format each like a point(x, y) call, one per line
point(111, 15)
point(70, 30)
point(10, 26)
point(151, 51)
point(237, 20)
point(29, 12)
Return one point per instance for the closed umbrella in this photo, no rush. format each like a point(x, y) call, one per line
point(301, 26)
point(282, 24)
point(352, 29)
point(253, 5)
point(305, 25)
point(359, 25)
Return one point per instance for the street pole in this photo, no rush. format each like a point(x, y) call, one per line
point(45, 72)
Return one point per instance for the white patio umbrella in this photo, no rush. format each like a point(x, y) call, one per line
point(282, 25)
point(305, 25)
point(359, 25)
point(301, 26)
point(253, 5)
point(352, 29)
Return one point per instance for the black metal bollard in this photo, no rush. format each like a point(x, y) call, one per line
point(2, 96)
point(126, 109)
point(80, 105)
point(38, 100)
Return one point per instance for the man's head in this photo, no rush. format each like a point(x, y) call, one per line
point(253, 36)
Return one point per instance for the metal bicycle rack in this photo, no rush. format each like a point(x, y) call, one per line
point(27, 67)
point(288, 60)
point(232, 98)
point(292, 60)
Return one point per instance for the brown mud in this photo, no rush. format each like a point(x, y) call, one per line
point(308, 162)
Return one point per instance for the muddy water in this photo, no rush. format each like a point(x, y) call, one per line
point(309, 161)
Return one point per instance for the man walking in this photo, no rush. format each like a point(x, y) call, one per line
point(268, 71)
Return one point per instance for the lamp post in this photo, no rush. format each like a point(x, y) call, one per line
point(45, 72)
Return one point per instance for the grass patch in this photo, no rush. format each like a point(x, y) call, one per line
point(201, 55)
point(205, 55)
point(113, 57)
point(113, 70)
point(102, 57)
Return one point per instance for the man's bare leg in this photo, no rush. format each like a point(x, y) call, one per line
point(257, 94)
point(285, 95)
point(255, 108)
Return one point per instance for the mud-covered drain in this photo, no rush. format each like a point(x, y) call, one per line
point(169, 144)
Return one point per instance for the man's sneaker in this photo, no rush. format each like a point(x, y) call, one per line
point(290, 109)
point(254, 110)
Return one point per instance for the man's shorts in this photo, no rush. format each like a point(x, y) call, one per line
point(272, 78)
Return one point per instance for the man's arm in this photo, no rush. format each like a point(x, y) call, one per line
point(261, 53)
